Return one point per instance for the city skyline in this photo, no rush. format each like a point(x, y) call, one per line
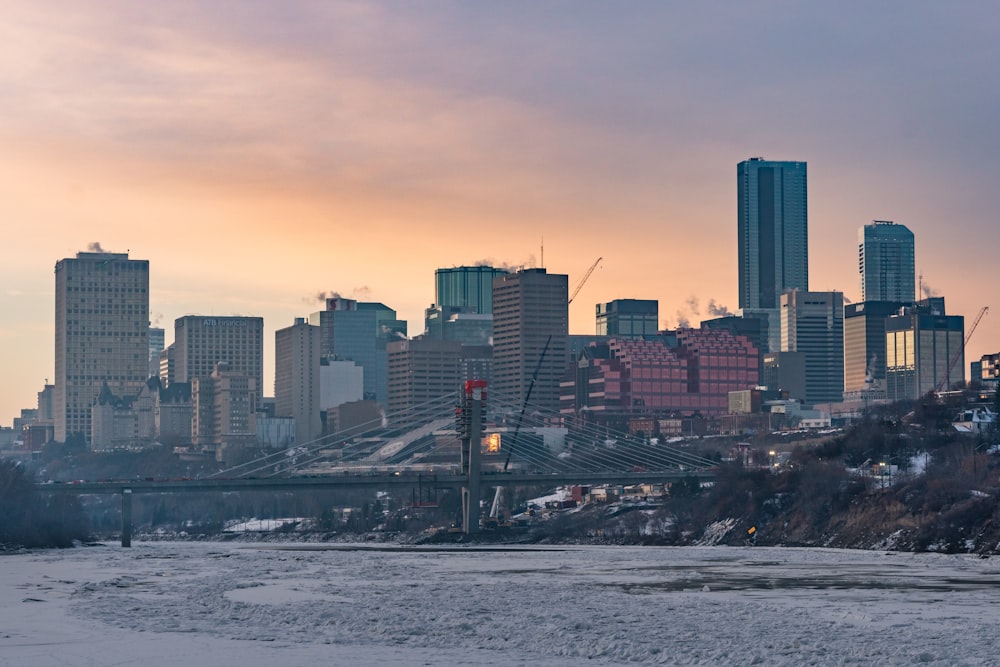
point(258, 156)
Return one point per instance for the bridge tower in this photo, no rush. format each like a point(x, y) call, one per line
point(471, 415)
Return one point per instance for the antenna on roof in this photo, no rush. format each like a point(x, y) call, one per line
point(543, 252)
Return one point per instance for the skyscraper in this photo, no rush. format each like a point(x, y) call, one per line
point(466, 287)
point(530, 330)
point(772, 236)
point(102, 334)
point(813, 323)
point(359, 331)
point(924, 349)
point(885, 262)
point(297, 378)
point(200, 343)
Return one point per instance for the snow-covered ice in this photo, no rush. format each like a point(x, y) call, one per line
point(170, 603)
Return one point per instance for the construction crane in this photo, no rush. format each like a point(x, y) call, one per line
point(961, 351)
point(579, 285)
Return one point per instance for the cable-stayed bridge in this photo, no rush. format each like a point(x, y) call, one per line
point(423, 445)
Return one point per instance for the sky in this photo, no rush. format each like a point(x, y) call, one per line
point(259, 154)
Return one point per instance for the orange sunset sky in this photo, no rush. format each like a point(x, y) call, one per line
point(260, 153)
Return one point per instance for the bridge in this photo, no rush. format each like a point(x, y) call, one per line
point(431, 446)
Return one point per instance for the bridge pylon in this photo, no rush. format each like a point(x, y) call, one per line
point(471, 416)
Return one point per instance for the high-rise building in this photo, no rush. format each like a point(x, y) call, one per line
point(223, 407)
point(467, 287)
point(773, 237)
point(358, 331)
point(530, 329)
point(813, 323)
point(157, 341)
point(864, 346)
point(202, 342)
point(885, 262)
point(925, 350)
point(628, 317)
point(297, 378)
point(102, 334)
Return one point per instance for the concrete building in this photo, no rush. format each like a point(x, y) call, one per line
point(224, 405)
point(340, 382)
point(886, 262)
point(422, 371)
point(864, 346)
point(202, 342)
point(773, 237)
point(173, 414)
point(924, 350)
point(682, 373)
point(530, 329)
point(297, 357)
point(628, 317)
point(102, 334)
point(813, 323)
point(359, 331)
point(462, 325)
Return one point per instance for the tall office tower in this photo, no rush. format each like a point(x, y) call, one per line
point(466, 287)
point(864, 346)
point(772, 236)
point(885, 262)
point(924, 350)
point(157, 342)
point(813, 323)
point(628, 317)
point(423, 372)
point(359, 331)
point(530, 330)
point(297, 378)
point(102, 334)
point(201, 342)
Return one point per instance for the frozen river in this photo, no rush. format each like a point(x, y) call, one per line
point(244, 604)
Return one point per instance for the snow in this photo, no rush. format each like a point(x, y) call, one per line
point(199, 603)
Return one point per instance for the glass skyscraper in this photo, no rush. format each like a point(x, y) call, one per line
point(466, 287)
point(773, 238)
point(773, 231)
point(885, 262)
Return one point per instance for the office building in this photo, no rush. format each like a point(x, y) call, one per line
point(223, 407)
point(297, 378)
point(886, 263)
point(924, 350)
point(773, 240)
point(202, 342)
point(784, 373)
point(989, 370)
point(358, 331)
point(628, 317)
point(460, 324)
point(684, 372)
point(157, 341)
point(530, 329)
point(864, 346)
point(466, 287)
point(102, 334)
point(813, 323)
